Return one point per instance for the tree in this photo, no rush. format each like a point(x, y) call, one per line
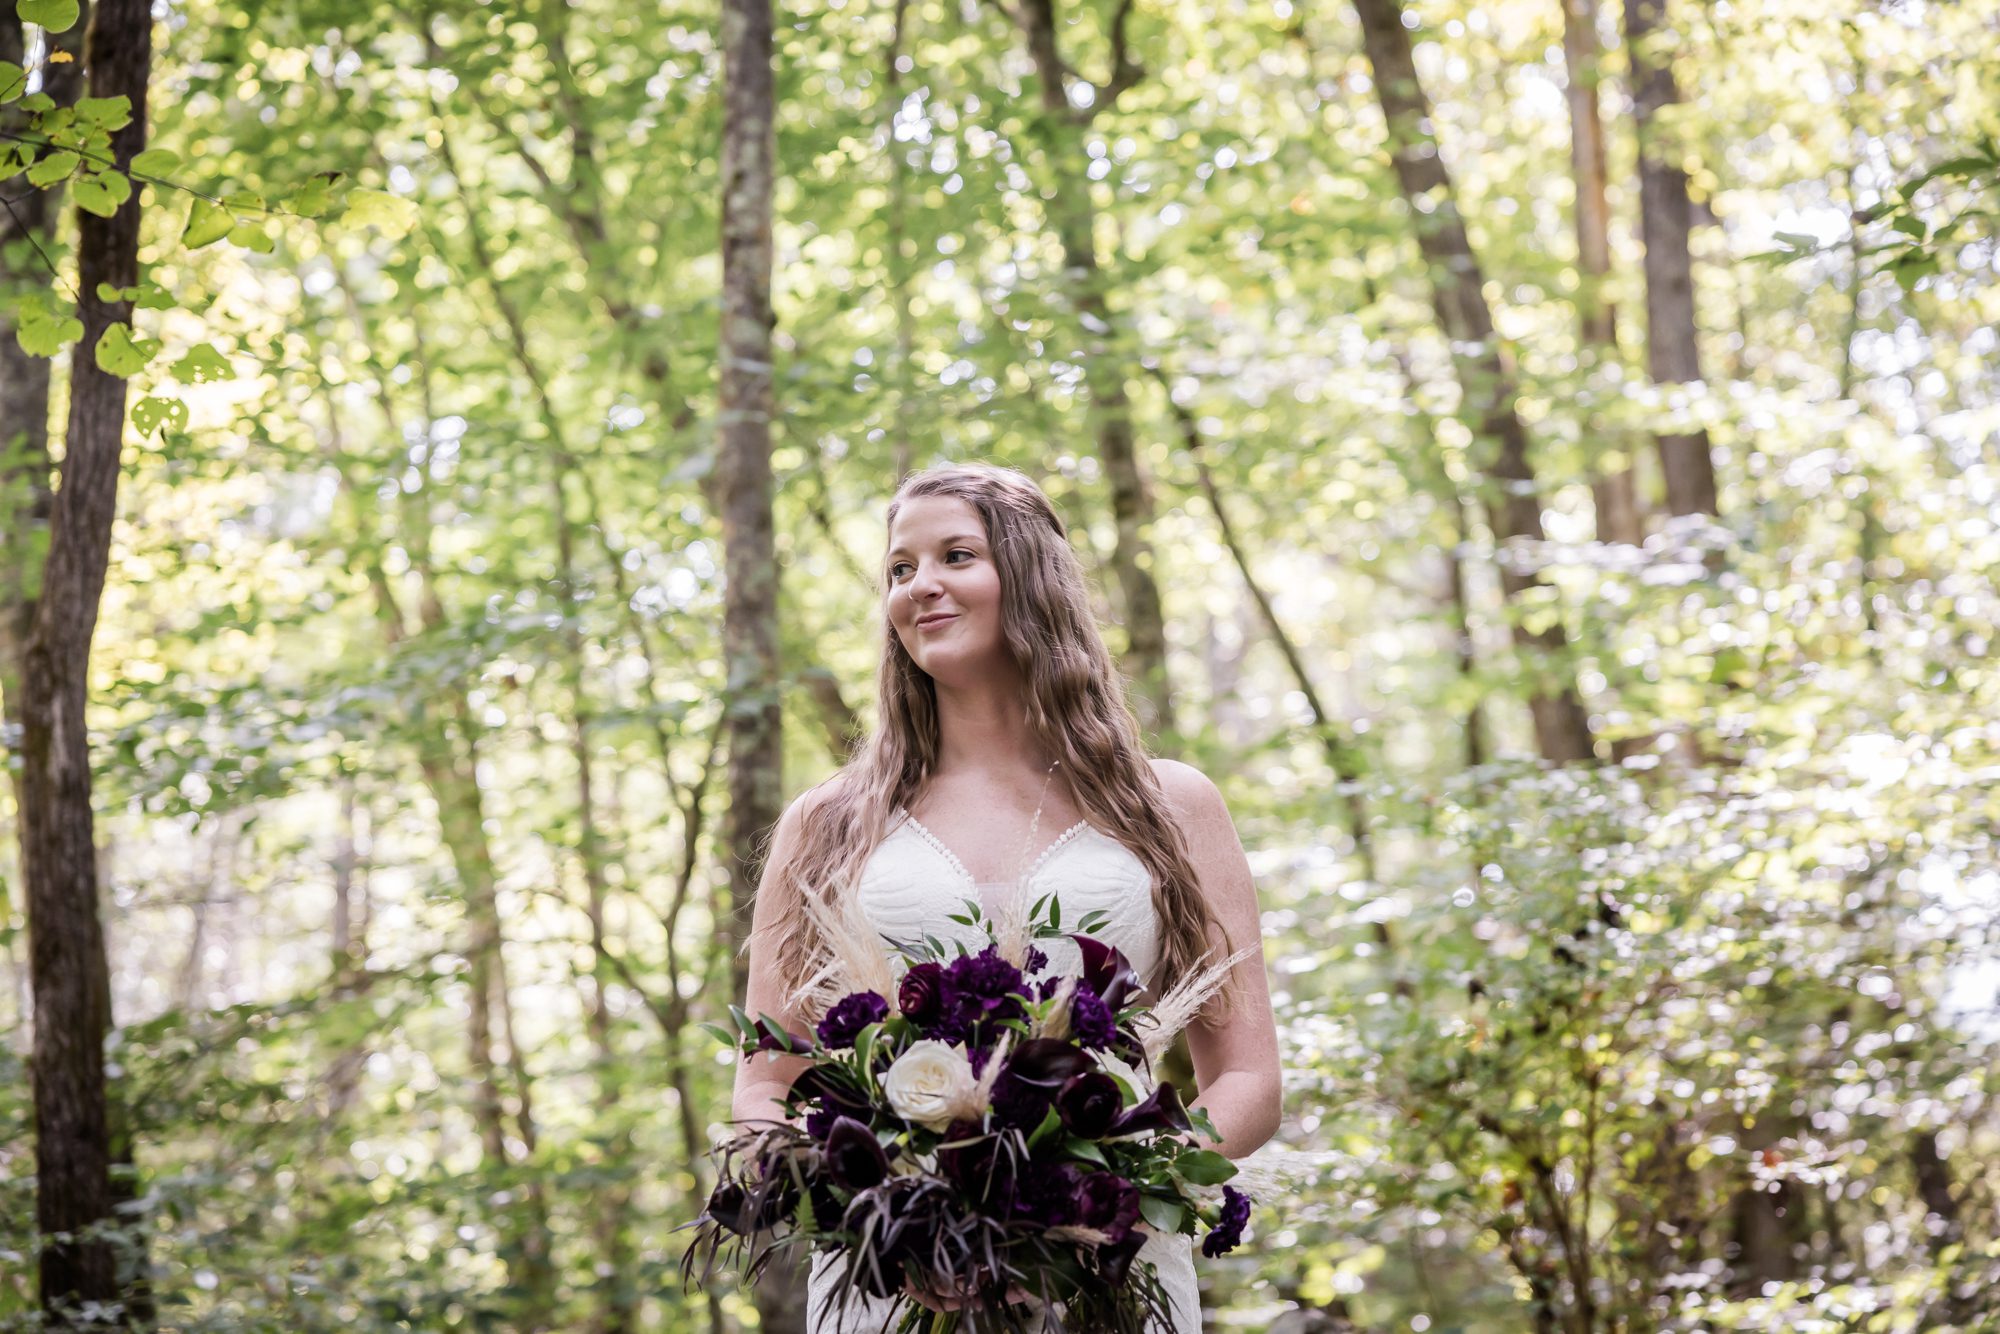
point(1562, 728)
point(73, 1149)
point(1673, 354)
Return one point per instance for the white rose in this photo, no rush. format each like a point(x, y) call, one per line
point(929, 1083)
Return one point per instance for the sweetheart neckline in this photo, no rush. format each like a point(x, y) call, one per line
point(943, 849)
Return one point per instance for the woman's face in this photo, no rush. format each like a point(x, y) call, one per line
point(944, 591)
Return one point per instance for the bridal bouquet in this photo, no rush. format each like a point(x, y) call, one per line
point(976, 1131)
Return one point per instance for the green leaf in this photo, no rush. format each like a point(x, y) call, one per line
point(1164, 1215)
point(106, 113)
point(251, 235)
point(102, 193)
point(315, 197)
point(55, 167)
point(1204, 1167)
point(44, 327)
point(1086, 1151)
point(13, 81)
point(201, 364)
point(207, 223)
point(156, 410)
point(1051, 1124)
point(154, 162)
point(55, 15)
point(122, 353)
point(392, 214)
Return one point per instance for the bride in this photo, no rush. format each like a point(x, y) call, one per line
point(1000, 712)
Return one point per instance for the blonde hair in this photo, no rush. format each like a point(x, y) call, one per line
point(1075, 708)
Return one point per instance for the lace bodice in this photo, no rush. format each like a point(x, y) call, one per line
point(911, 886)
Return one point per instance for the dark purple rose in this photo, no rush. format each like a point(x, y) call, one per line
point(1109, 1203)
point(1109, 973)
point(1114, 1259)
point(754, 1210)
point(1224, 1236)
point(854, 1155)
point(1088, 1103)
point(922, 994)
point(1161, 1110)
point(844, 1022)
point(1019, 1103)
point(1051, 1196)
point(1090, 1020)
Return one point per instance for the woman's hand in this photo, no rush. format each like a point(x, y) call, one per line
point(940, 1301)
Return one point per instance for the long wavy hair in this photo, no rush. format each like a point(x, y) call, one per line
point(1074, 705)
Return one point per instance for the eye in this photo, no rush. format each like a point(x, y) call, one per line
point(894, 568)
point(957, 551)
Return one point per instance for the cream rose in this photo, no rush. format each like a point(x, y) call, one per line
point(929, 1083)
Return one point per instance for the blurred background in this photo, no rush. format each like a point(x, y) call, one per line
point(1541, 459)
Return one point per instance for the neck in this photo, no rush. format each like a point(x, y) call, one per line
point(982, 727)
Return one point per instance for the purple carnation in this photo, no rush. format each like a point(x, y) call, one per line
point(1225, 1235)
point(1091, 1021)
point(1110, 1204)
point(984, 974)
point(819, 1121)
point(1036, 960)
point(844, 1022)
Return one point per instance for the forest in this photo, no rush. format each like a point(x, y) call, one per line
point(1540, 459)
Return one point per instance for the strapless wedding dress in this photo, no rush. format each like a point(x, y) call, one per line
point(910, 887)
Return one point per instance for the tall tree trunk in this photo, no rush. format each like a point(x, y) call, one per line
point(1107, 361)
point(743, 495)
point(1619, 518)
point(1562, 728)
point(1672, 354)
point(73, 1125)
point(27, 249)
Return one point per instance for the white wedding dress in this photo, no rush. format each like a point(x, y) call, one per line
point(910, 887)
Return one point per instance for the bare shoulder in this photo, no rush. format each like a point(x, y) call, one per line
point(1191, 790)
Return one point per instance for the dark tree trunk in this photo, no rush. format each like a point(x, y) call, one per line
point(1562, 728)
point(1107, 363)
point(1619, 518)
point(73, 1149)
point(1672, 355)
point(743, 494)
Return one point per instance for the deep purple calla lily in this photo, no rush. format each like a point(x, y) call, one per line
point(854, 1155)
point(1161, 1110)
point(1049, 1062)
point(1114, 1259)
point(772, 1038)
point(1109, 973)
point(1088, 1103)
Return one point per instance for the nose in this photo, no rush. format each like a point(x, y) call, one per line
point(924, 582)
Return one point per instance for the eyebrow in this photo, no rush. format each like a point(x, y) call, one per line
point(955, 537)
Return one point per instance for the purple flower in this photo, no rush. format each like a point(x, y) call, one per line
point(921, 997)
point(820, 1120)
point(1160, 1111)
point(1091, 1021)
point(1114, 1259)
point(1088, 1103)
point(1109, 973)
point(1225, 1235)
point(770, 1037)
point(1020, 1103)
point(854, 1156)
point(1036, 960)
point(1110, 1203)
point(984, 974)
point(844, 1022)
point(1051, 1196)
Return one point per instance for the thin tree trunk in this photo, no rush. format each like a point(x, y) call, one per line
point(73, 1146)
point(1107, 362)
point(743, 496)
point(1562, 728)
point(1339, 746)
point(1672, 353)
point(350, 943)
point(1619, 518)
point(901, 254)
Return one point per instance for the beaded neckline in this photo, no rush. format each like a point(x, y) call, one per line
point(938, 845)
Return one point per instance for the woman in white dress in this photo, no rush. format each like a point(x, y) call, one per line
point(1000, 712)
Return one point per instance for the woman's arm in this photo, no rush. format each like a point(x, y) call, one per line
point(1236, 1063)
point(763, 1079)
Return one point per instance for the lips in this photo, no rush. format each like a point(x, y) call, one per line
point(936, 619)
